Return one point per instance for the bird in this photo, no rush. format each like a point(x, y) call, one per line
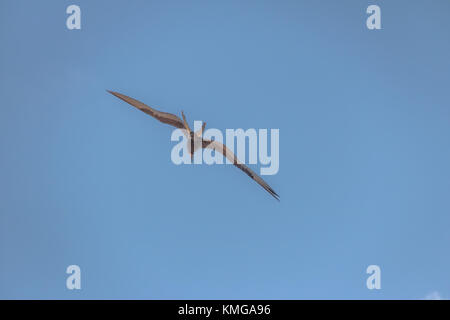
point(195, 140)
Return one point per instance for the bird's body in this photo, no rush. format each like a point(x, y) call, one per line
point(195, 140)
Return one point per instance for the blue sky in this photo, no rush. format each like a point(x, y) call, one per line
point(364, 119)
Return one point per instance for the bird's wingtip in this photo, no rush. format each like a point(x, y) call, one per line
point(274, 194)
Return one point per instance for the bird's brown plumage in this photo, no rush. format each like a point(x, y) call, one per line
point(175, 121)
point(219, 147)
point(164, 117)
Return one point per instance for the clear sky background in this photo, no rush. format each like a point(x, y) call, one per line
point(364, 119)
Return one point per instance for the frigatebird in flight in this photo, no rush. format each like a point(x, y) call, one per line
point(196, 137)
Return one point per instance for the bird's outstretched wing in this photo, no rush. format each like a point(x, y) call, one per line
point(164, 117)
point(219, 147)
